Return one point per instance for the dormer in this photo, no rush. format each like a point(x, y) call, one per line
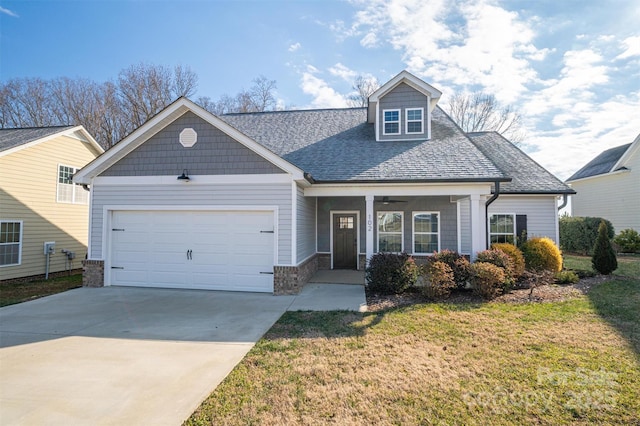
point(401, 109)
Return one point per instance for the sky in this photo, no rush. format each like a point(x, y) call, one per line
point(571, 68)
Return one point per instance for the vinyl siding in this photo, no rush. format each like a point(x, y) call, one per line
point(328, 204)
point(615, 197)
point(28, 184)
point(541, 211)
point(214, 153)
point(196, 195)
point(403, 97)
point(306, 224)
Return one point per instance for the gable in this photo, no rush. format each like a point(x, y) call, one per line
point(214, 153)
point(405, 102)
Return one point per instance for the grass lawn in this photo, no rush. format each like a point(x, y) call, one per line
point(576, 361)
point(16, 293)
point(628, 266)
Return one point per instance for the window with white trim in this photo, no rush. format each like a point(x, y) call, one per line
point(67, 191)
point(414, 118)
point(390, 232)
point(502, 228)
point(391, 123)
point(426, 232)
point(10, 243)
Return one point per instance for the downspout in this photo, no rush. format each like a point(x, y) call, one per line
point(565, 200)
point(495, 195)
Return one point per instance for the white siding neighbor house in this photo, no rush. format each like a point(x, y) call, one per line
point(609, 187)
point(261, 201)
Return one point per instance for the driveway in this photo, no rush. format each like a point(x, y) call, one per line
point(128, 355)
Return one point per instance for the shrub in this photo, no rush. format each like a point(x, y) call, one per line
point(487, 279)
point(502, 260)
point(390, 273)
point(628, 240)
point(604, 258)
point(533, 279)
point(542, 253)
point(516, 257)
point(578, 234)
point(459, 265)
point(567, 277)
point(439, 280)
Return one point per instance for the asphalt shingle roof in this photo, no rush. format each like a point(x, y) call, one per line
point(338, 145)
point(602, 164)
point(11, 138)
point(527, 175)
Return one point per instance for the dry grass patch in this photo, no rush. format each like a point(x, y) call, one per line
point(11, 294)
point(496, 363)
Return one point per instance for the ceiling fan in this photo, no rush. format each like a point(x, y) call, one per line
point(387, 200)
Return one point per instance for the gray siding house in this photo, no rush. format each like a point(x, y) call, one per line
point(261, 201)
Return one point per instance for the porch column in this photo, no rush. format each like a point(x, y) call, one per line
point(478, 238)
point(369, 221)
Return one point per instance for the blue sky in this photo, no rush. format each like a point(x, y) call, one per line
point(570, 67)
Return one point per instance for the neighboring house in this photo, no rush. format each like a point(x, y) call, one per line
point(38, 201)
point(272, 197)
point(609, 187)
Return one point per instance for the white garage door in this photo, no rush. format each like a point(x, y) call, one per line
point(221, 250)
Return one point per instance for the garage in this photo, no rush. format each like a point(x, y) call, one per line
point(211, 250)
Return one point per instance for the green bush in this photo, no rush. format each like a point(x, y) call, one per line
point(502, 260)
point(567, 277)
point(458, 263)
point(390, 273)
point(578, 234)
point(541, 253)
point(439, 280)
point(604, 258)
point(487, 279)
point(516, 257)
point(628, 240)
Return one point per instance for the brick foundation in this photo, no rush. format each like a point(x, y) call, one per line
point(291, 279)
point(324, 260)
point(40, 277)
point(92, 273)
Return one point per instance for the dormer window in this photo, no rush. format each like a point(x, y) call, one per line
point(415, 120)
point(391, 124)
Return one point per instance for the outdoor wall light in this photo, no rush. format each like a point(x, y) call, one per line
point(184, 176)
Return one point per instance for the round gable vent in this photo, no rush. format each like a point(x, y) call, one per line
point(188, 137)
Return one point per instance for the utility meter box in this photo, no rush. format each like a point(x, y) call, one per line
point(50, 247)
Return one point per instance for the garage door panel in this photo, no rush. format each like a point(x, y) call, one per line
point(227, 249)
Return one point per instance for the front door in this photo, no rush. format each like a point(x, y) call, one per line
point(345, 242)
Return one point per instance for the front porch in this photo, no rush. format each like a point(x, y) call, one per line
point(338, 276)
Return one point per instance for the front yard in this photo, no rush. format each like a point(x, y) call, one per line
point(570, 361)
point(17, 293)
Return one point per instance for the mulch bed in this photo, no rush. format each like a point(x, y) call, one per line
point(545, 293)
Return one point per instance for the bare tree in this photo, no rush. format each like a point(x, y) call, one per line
point(363, 87)
point(259, 98)
point(476, 112)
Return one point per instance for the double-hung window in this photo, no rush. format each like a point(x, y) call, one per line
point(10, 243)
point(414, 120)
point(502, 228)
point(391, 125)
point(426, 232)
point(69, 192)
point(390, 234)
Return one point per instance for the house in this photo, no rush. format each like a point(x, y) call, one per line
point(39, 204)
point(261, 201)
point(609, 187)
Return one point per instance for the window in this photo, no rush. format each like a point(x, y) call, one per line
point(68, 192)
point(345, 222)
point(502, 228)
point(391, 122)
point(10, 243)
point(414, 120)
point(426, 232)
point(390, 232)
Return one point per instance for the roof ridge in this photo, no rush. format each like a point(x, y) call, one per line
point(39, 127)
point(291, 111)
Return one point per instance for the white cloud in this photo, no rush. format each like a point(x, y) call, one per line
point(370, 40)
point(8, 12)
point(343, 72)
point(324, 96)
point(632, 47)
point(294, 47)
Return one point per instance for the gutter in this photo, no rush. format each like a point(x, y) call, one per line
point(494, 197)
point(565, 200)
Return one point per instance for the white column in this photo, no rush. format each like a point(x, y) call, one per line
point(369, 224)
point(478, 230)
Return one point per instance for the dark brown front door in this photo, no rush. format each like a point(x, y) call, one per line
point(345, 242)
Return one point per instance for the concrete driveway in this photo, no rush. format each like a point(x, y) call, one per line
point(129, 355)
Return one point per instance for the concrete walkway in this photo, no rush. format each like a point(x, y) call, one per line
point(116, 356)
